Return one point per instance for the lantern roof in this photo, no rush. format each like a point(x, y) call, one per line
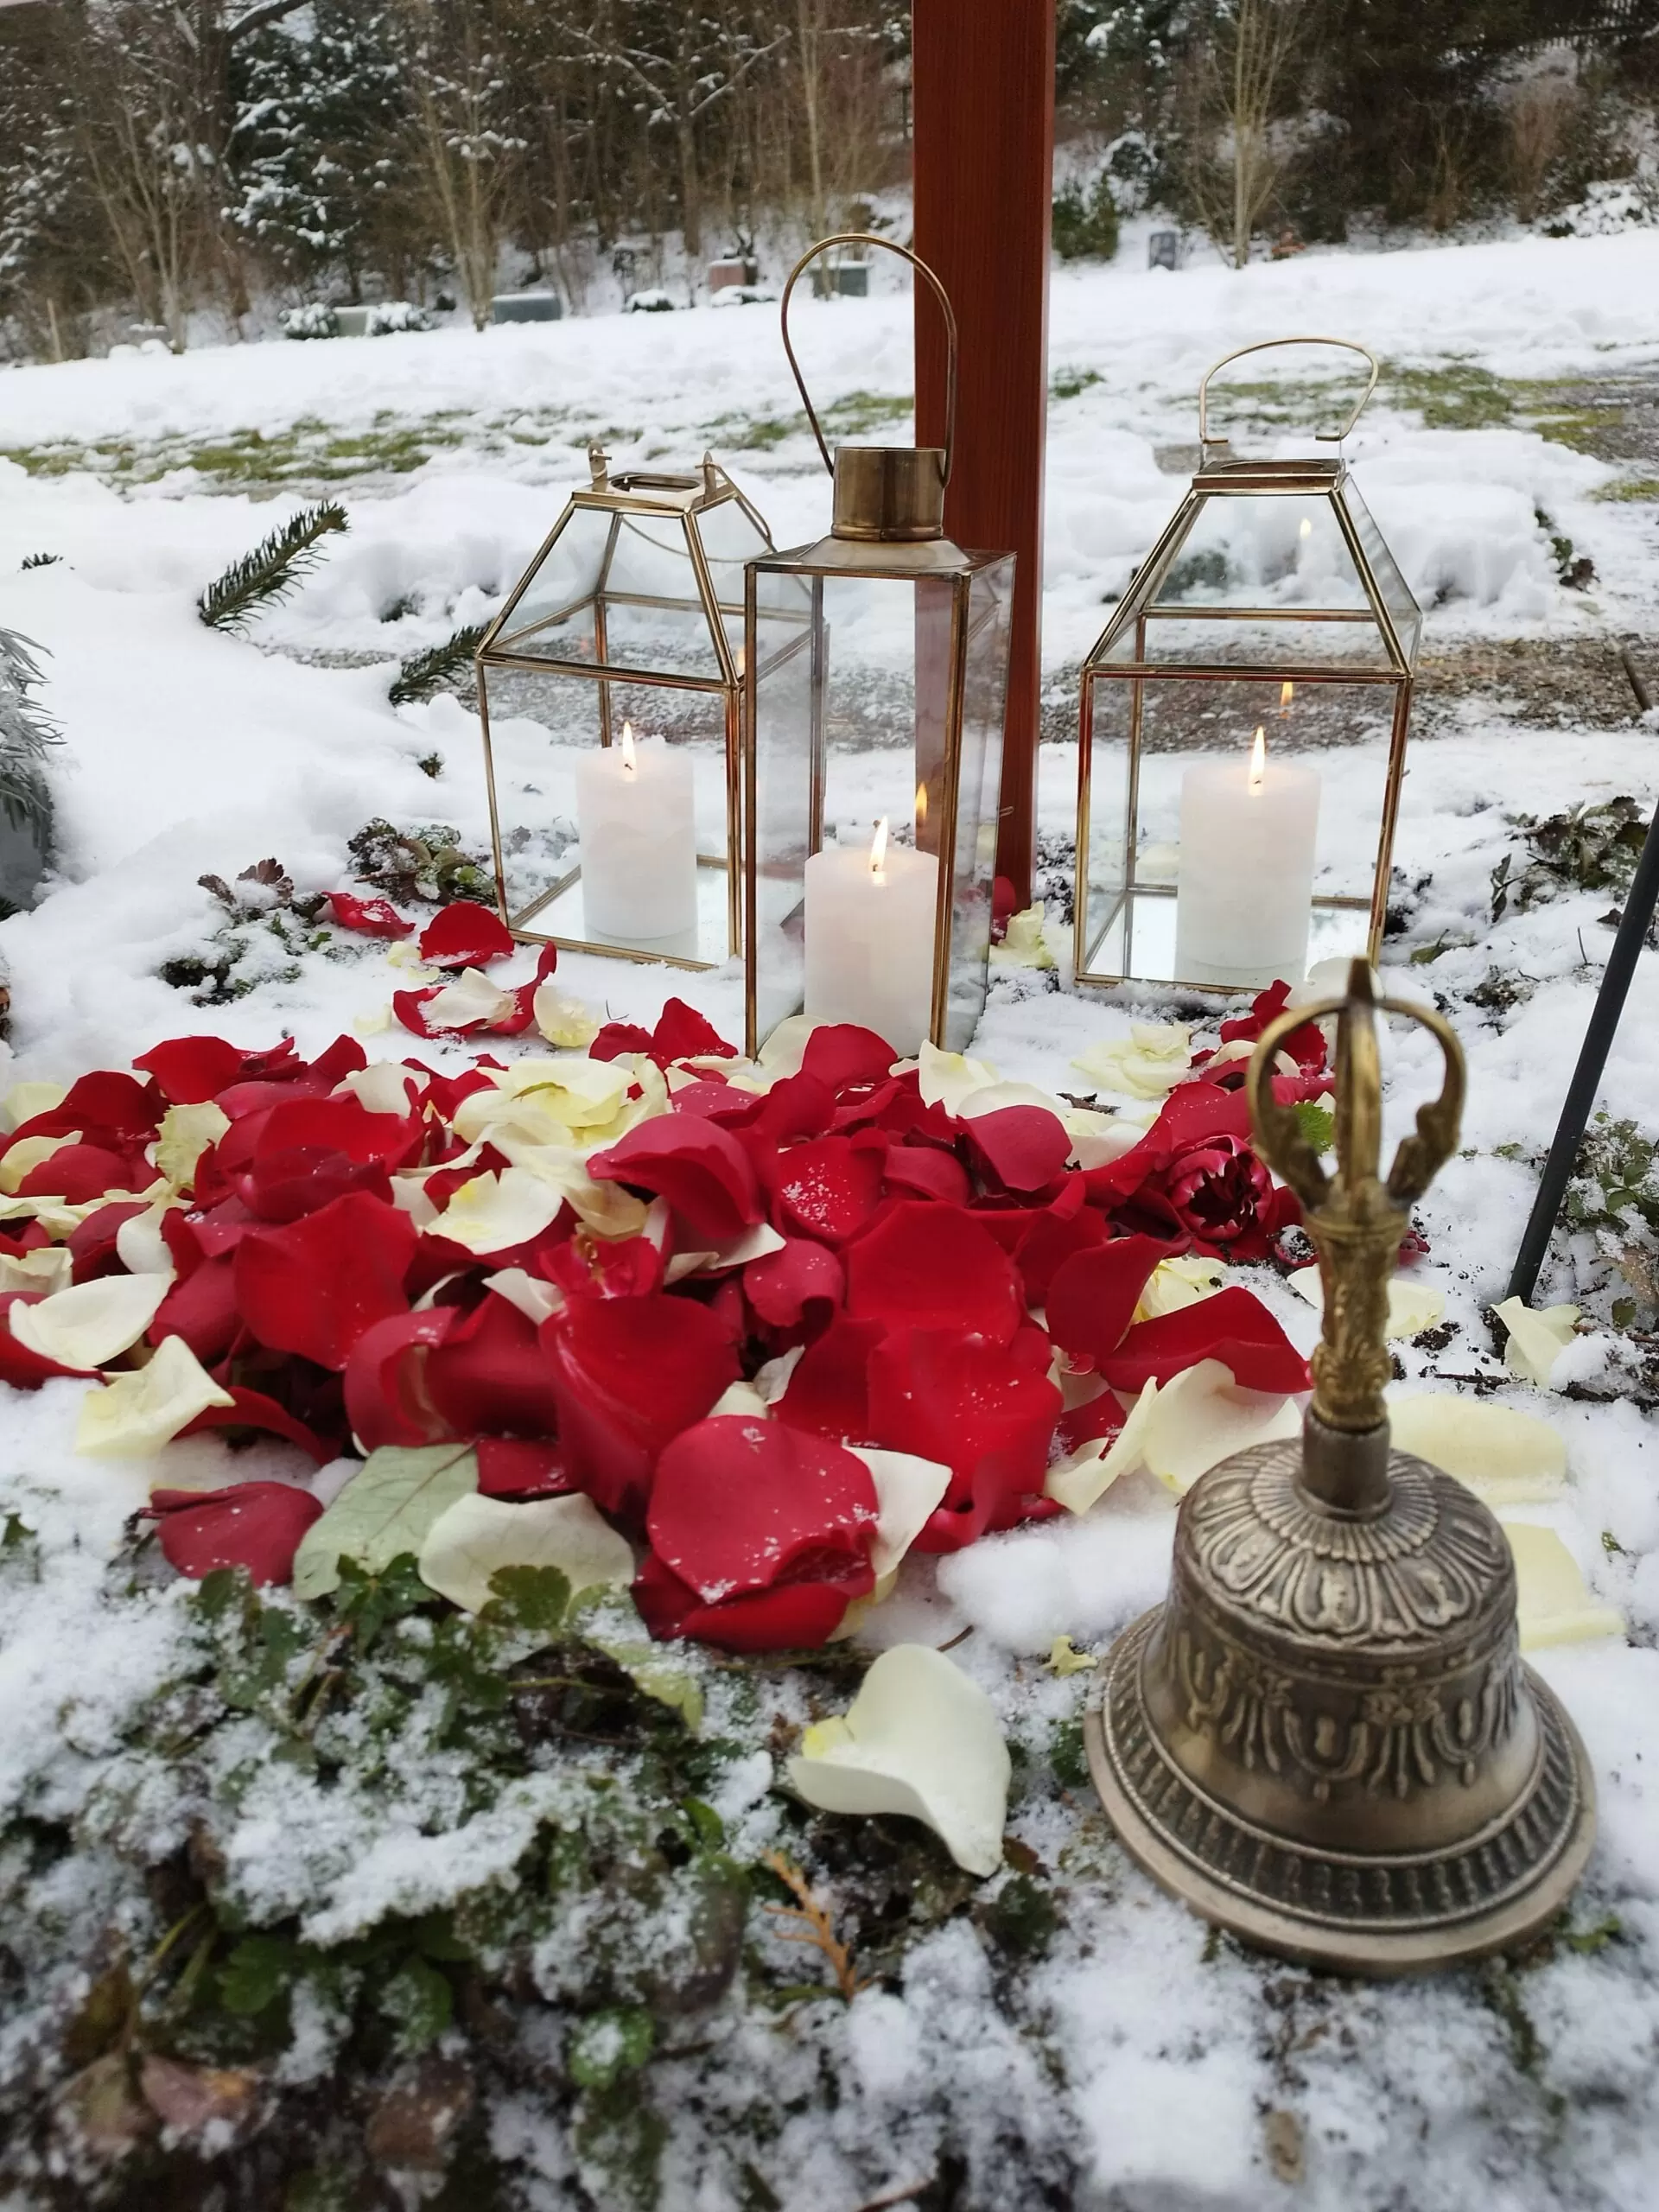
point(1268, 566)
point(642, 574)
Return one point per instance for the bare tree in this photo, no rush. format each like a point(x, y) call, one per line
point(1241, 84)
point(464, 137)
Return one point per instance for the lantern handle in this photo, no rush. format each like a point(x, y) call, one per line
point(868, 238)
point(1266, 344)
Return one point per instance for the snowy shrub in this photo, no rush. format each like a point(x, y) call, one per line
point(1616, 204)
point(1085, 220)
point(393, 315)
point(316, 319)
point(655, 301)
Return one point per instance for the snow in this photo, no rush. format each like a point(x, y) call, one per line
point(188, 752)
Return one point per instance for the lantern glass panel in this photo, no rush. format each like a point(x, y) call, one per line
point(628, 619)
point(877, 697)
point(1394, 591)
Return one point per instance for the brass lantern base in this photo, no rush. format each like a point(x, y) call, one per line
point(1395, 1794)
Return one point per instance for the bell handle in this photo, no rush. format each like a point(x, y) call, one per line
point(868, 238)
point(1265, 345)
point(1419, 1157)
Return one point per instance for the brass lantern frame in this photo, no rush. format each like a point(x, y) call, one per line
point(888, 528)
point(629, 499)
point(1131, 635)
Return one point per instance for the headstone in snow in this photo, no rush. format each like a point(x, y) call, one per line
point(526, 307)
point(1164, 250)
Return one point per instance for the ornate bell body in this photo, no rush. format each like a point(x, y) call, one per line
point(1326, 1740)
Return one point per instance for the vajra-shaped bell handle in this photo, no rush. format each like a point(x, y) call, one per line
point(1355, 1218)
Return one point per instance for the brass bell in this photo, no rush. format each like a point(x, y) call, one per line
point(1324, 1740)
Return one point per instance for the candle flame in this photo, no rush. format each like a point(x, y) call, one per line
point(879, 847)
point(742, 661)
point(1306, 530)
point(921, 806)
point(1258, 760)
point(1286, 693)
point(628, 761)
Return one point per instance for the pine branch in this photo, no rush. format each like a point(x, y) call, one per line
point(27, 731)
point(419, 676)
point(270, 571)
point(813, 1925)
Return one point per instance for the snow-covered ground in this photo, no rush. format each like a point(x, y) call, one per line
point(187, 752)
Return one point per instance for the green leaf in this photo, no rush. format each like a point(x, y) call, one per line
point(1317, 1123)
point(606, 1621)
point(419, 2000)
point(369, 1600)
point(257, 1973)
point(436, 1936)
point(609, 2043)
point(386, 1509)
point(534, 1599)
point(706, 1823)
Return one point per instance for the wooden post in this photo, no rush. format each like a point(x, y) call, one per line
point(982, 88)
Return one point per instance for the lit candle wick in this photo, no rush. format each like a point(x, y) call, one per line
point(629, 765)
point(879, 847)
point(1258, 760)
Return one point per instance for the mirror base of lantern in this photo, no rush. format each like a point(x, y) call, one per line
point(559, 917)
point(1138, 945)
point(1353, 1912)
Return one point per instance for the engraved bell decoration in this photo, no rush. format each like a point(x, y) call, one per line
point(1326, 1740)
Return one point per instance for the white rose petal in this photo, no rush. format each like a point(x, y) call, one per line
point(383, 1087)
point(742, 1401)
point(25, 1100)
point(49, 1267)
point(1536, 1340)
point(1508, 1457)
point(1099, 1138)
point(91, 1322)
point(537, 1300)
point(921, 1739)
point(492, 1213)
point(784, 1051)
point(1552, 1601)
point(907, 1489)
point(1154, 1058)
point(1177, 1283)
point(476, 1537)
point(948, 1079)
point(752, 1243)
point(1092, 1469)
point(1413, 1307)
point(134, 1416)
point(471, 997)
point(22, 1158)
point(1023, 943)
point(186, 1133)
point(140, 1246)
point(561, 1019)
point(1202, 1417)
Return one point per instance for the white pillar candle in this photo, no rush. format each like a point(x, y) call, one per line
point(636, 820)
point(1248, 833)
point(870, 917)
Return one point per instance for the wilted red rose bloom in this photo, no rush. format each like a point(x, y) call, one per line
point(1219, 1193)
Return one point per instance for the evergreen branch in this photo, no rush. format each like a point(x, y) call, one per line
point(419, 676)
point(812, 1924)
point(270, 571)
point(26, 733)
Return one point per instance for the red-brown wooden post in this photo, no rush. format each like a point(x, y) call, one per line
point(982, 92)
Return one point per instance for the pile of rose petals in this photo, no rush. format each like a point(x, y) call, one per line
point(776, 1320)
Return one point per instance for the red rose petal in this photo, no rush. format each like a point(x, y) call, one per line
point(202, 1308)
point(987, 1411)
point(24, 1369)
point(617, 1037)
point(797, 1617)
point(192, 1069)
point(829, 1391)
point(92, 1241)
point(107, 1107)
point(827, 1188)
point(628, 1374)
point(314, 1287)
point(702, 1170)
point(388, 1398)
point(929, 1171)
point(599, 1266)
point(465, 934)
point(741, 1504)
point(1092, 1296)
point(80, 1172)
point(490, 1375)
point(521, 1466)
point(1025, 1147)
point(255, 1525)
point(1102, 1415)
point(681, 1033)
point(1234, 1326)
point(254, 1410)
point(803, 1280)
point(368, 917)
point(932, 1267)
point(841, 1056)
point(1048, 1239)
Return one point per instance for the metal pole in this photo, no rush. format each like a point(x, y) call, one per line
point(1592, 1058)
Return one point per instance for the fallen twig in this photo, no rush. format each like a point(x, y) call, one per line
point(815, 1926)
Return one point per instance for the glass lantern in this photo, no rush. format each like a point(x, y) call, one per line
point(877, 668)
point(609, 688)
point(1244, 728)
